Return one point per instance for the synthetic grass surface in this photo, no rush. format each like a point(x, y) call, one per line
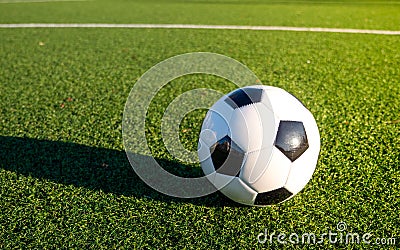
point(66, 182)
point(335, 14)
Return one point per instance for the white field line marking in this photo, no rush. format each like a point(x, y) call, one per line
point(194, 26)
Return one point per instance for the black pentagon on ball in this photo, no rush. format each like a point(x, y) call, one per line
point(227, 157)
point(291, 139)
point(272, 197)
point(243, 97)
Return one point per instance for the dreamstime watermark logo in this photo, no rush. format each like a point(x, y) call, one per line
point(137, 105)
point(338, 236)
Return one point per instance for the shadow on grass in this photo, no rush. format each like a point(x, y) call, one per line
point(89, 167)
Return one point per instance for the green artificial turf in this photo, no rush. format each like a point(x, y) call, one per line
point(368, 14)
point(65, 181)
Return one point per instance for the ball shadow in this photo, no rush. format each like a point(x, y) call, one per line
point(89, 167)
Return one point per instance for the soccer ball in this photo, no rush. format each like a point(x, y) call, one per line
point(259, 145)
